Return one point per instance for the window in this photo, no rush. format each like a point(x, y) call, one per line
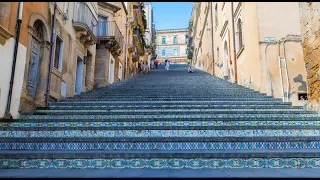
point(187, 40)
point(163, 52)
point(163, 40)
point(186, 51)
point(216, 15)
point(102, 26)
point(239, 33)
point(175, 53)
point(58, 54)
point(175, 40)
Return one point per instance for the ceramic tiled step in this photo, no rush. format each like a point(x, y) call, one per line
point(218, 124)
point(186, 106)
point(175, 117)
point(225, 159)
point(151, 103)
point(176, 99)
point(67, 126)
point(163, 133)
point(145, 95)
point(170, 111)
point(79, 144)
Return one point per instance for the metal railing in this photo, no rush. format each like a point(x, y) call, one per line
point(110, 29)
point(83, 15)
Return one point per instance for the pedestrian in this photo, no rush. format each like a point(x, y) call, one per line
point(156, 63)
point(145, 68)
point(190, 69)
point(167, 65)
point(140, 66)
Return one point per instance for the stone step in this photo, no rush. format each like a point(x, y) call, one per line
point(201, 159)
point(174, 106)
point(173, 117)
point(223, 98)
point(163, 133)
point(151, 103)
point(77, 144)
point(171, 111)
point(219, 124)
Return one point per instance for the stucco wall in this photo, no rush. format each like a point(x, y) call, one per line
point(6, 52)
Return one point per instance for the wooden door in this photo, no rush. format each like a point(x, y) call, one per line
point(33, 67)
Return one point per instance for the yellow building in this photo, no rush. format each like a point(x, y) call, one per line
point(249, 45)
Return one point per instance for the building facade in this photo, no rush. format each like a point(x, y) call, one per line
point(8, 34)
point(309, 18)
point(149, 35)
point(111, 36)
point(270, 61)
point(65, 49)
point(172, 45)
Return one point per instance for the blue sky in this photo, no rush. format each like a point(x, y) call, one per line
point(171, 15)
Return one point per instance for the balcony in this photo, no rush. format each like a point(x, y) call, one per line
point(139, 42)
point(84, 22)
point(139, 14)
point(109, 33)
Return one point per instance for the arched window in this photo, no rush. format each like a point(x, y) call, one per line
point(216, 14)
point(175, 53)
point(163, 52)
point(239, 28)
point(163, 40)
point(175, 40)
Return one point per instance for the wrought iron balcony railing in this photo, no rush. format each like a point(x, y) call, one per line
point(83, 16)
point(136, 33)
point(110, 29)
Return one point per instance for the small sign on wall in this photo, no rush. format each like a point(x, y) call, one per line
point(269, 39)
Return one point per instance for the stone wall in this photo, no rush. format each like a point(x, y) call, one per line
point(310, 23)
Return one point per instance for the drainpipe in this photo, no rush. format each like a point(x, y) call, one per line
point(234, 46)
point(53, 47)
point(7, 114)
point(125, 49)
point(279, 60)
point(212, 39)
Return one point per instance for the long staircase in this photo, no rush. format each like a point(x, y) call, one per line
point(164, 120)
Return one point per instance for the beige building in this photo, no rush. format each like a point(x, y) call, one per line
point(249, 45)
point(111, 34)
point(172, 45)
point(309, 18)
point(74, 49)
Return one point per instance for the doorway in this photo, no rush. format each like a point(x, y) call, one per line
point(79, 74)
point(111, 70)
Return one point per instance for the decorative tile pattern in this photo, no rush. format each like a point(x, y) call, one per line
point(161, 124)
point(167, 106)
point(158, 145)
point(189, 116)
point(200, 163)
point(169, 110)
point(165, 133)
